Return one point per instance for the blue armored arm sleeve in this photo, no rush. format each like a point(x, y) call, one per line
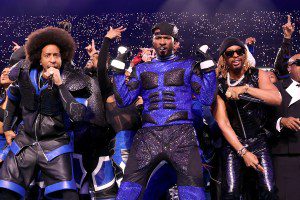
point(204, 87)
point(126, 93)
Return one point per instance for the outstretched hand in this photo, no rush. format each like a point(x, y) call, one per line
point(91, 48)
point(288, 28)
point(115, 33)
point(16, 46)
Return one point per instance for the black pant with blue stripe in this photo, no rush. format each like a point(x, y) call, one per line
point(19, 170)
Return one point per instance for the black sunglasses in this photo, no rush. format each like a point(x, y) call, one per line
point(296, 62)
point(239, 52)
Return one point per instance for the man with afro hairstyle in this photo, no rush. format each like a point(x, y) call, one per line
point(47, 84)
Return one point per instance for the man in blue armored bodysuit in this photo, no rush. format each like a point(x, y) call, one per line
point(166, 85)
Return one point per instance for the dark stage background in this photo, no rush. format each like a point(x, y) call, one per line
point(199, 22)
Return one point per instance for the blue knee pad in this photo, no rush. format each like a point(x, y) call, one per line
point(129, 191)
point(103, 176)
point(191, 192)
point(124, 141)
point(79, 171)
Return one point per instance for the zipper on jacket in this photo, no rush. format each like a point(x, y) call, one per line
point(38, 119)
point(239, 115)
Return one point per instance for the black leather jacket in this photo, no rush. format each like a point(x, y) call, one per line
point(45, 110)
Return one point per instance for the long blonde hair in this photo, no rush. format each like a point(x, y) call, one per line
point(222, 68)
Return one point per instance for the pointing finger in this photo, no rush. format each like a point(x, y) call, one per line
point(289, 19)
point(260, 168)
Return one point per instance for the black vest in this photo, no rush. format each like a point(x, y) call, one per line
point(246, 118)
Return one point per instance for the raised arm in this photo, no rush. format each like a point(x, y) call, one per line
point(284, 52)
point(17, 55)
point(203, 81)
point(104, 81)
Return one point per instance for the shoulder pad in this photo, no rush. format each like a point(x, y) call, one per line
point(75, 80)
point(15, 69)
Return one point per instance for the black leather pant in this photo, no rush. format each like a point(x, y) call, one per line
point(9, 195)
point(233, 166)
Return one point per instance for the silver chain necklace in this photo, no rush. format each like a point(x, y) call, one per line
point(235, 83)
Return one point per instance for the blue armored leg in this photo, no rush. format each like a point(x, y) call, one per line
point(190, 192)
point(129, 191)
point(161, 180)
point(103, 178)
point(79, 171)
point(123, 143)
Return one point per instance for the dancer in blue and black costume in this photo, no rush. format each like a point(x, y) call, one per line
point(45, 84)
point(125, 123)
point(166, 85)
point(94, 172)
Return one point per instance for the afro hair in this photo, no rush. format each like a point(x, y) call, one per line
point(40, 38)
